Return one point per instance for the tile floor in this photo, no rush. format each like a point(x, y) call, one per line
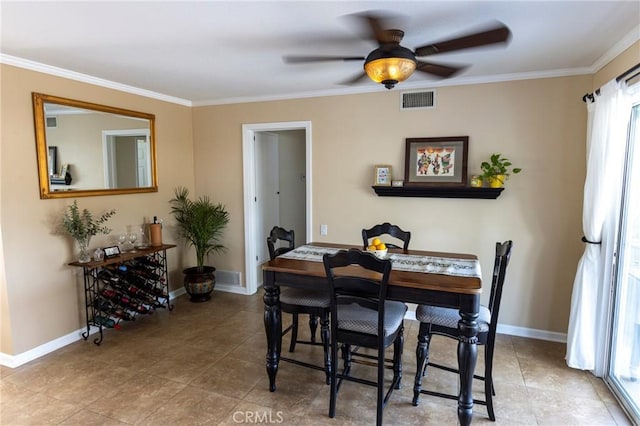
point(204, 364)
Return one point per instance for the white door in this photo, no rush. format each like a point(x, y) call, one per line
point(267, 203)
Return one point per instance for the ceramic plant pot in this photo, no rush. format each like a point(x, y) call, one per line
point(199, 284)
point(497, 181)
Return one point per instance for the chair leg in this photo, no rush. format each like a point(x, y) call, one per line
point(380, 389)
point(398, 345)
point(346, 357)
point(489, 391)
point(313, 326)
point(422, 358)
point(294, 333)
point(333, 392)
point(325, 336)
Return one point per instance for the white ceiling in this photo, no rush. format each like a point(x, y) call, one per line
point(213, 52)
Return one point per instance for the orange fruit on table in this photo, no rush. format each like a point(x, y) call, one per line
point(381, 246)
point(376, 242)
point(371, 248)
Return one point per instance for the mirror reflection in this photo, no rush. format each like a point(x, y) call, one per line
point(91, 149)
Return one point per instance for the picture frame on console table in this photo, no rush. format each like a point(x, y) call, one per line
point(437, 161)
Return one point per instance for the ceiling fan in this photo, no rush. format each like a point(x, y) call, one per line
point(391, 63)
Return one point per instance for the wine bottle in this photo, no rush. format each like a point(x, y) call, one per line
point(104, 321)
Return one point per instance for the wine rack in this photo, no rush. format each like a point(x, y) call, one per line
point(122, 288)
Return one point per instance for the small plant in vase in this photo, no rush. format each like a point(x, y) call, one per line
point(81, 225)
point(496, 171)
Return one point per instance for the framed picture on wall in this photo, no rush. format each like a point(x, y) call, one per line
point(436, 161)
point(382, 175)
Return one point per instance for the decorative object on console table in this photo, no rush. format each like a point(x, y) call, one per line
point(82, 226)
point(155, 230)
point(201, 223)
point(495, 172)
point(382, 175)
point(436, 161)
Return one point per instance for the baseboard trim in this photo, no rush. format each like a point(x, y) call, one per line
point(512, 330)
point(230, 288)
point(13, 361)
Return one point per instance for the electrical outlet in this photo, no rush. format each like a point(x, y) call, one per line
point(324, 230)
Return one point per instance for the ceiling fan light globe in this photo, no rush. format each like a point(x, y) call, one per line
point(390, 64)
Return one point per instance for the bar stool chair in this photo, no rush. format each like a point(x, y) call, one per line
point(297, 301)
point(444, 322)
point(361, 315)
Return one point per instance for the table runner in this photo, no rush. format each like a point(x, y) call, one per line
point(400, 262)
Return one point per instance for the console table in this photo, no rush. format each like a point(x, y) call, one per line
point(122, 287)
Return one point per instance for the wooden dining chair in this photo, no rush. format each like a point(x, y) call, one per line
point(386, 229)
point(444, 322)
point(297, 301)
point(361, 316)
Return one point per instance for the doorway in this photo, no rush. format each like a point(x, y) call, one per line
point(270, 188)
point(127, 158)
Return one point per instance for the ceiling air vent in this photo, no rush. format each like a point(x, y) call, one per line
point(52, 121)
point(418, 100)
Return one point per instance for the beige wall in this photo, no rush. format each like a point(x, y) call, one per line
point(539, 124)
point(43, 295)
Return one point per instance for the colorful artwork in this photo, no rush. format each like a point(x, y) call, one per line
point(435, 161)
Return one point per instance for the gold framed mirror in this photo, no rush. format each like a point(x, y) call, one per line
point(86, 149)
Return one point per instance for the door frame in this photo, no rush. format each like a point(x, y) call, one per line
point(248, 161)
point(108, 152)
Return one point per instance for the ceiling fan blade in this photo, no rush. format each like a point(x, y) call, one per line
point(376, 25)
point(444, 71)
point(499, 34)
point(355, 79)
point(309, 59)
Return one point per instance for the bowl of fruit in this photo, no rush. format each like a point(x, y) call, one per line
point(378, 248)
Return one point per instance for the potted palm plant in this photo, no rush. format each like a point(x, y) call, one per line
point(201, 223)
point(496, 171)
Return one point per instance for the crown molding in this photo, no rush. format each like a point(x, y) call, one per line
point(72, 75)
point(622, 45)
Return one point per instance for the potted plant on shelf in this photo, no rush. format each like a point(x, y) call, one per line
point(496, 171)
point(201, 223)
point(82, 226)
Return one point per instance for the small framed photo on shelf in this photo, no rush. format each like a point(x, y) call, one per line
point(110, 252)
point(382, 175)
point(436, 161)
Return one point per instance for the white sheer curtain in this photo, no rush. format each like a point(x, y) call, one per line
point(608, 118)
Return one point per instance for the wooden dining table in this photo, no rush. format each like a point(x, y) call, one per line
point(410, 286)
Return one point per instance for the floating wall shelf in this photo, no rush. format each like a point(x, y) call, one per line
point(438, 192)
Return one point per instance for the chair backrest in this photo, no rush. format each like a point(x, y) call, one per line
point(276, 236)
point(503, 255)
point(369, 291)
point(388, 229)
